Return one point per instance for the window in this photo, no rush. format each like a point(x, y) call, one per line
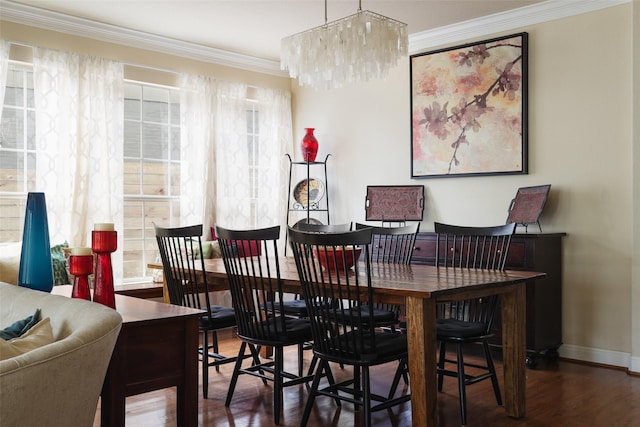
point(151, 165)
point(17, 150)
point(151, 171)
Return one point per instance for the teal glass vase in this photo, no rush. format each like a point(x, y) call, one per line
point(36, 268)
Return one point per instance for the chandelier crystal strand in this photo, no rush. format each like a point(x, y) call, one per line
point(354, 49)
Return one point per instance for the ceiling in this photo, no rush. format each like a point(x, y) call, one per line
point(255, 27)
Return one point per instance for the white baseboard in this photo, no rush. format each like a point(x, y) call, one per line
point(596, 355)
point(634, 366)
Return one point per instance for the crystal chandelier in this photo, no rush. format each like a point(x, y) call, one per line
point(354, 49)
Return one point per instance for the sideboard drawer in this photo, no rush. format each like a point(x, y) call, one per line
point(424, 252)
point(517, 256)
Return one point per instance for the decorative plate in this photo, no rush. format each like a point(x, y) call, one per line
point(308, 192)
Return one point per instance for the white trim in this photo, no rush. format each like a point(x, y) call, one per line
point(506, 21)
point(634, 366)
point(597, 355)
point(490, 24)
point(54, 21)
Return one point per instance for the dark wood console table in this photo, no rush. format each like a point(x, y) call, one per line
point(531, 252)
point(157, 348)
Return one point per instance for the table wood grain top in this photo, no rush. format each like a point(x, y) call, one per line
point(420, 281)
point(139, 310)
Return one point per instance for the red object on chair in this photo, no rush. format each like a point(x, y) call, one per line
point(250, 247)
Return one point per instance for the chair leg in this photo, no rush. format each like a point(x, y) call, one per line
point(205, 364)
point(441, 364)
point(236, 373)
point(278, 355)
point(322, 365)
point(300, 358)
point(405, 375)
point(332, 382)
point(214, 345)
point(312, 365)
point(357, 386)
point(401, 371)
point(492, 370)
point(255, 355)
point(366, 396)
point(462, 382)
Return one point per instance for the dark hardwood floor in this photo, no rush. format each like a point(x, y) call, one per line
point(560, 393)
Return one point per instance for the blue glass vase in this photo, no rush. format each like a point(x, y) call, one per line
point(36, 268)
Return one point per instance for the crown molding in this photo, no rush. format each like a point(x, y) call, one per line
point(490, 24)
point(62, 23)
point(505, 21)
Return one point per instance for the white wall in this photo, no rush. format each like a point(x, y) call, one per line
point(580, 142)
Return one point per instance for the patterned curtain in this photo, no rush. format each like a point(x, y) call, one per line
point(275, 141)
point(5, 47)
point(197, 181)
point(79, 111)
point(233, 204)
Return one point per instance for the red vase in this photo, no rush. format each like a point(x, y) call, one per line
point(81, 266)
point(103, 243)
point(309, 146)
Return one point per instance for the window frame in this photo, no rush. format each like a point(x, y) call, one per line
point(145, 238)
point(13, 203)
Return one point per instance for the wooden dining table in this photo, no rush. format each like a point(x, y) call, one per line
point(420, 287)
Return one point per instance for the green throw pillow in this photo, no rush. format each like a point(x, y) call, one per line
point(60, 276)
point(210, 249)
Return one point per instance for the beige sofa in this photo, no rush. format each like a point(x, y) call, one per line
point(10, 261)
point(57, 384)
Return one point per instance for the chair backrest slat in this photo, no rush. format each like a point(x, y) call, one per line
point(182, 265)
point(333, 294)
point(253, 269)
point(472, 247)
point(392, 245)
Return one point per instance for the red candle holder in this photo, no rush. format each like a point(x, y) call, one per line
point(103, 243)
point(81, 266)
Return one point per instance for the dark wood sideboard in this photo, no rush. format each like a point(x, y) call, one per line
point(532, 252)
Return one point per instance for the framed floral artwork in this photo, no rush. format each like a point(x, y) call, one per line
point(469, 109)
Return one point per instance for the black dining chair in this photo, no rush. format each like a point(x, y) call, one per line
point(258, 299)
point(296, 306)
point(336, 288)
point(390, 245)
point(464, 322)
point(182, 264)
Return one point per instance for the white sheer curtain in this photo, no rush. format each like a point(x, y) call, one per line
point(5, 47)
point(217, 185)
point(198, 107)
point(275, 140)
point(79, 115)
point(233, 208)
